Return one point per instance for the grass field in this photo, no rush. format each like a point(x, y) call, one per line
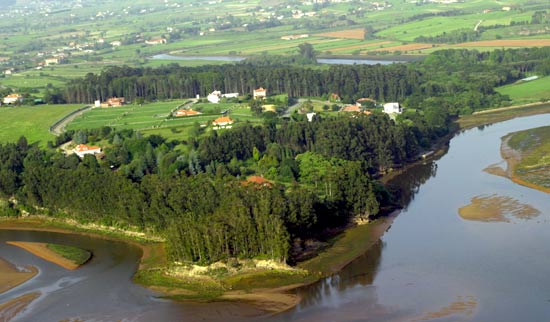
point(32, 122)
point(156, 118)
point(74, 254)
point(527, 92)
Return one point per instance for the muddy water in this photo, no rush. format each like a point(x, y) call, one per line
point(432, 265)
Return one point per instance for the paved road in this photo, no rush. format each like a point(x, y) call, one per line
point(60, 126)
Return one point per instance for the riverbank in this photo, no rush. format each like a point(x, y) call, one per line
point(12, 276)
point(496, 115)
point(9, 309)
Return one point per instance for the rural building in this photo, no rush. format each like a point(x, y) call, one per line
point(12, 99)
point(352, 108)
point(113, 102)
point(392, 108)
point(214, 97)
point(82, 149)
point(364, 102)
point(156, 41)
point(258, 181)
point(186, 113)
point(310, 116)
point(230, 95)
point(116, 43)
point(292, 37)
point(334, 97)
point(260, 93)
point(223, 122)
point(8, 71)
point(52, 61)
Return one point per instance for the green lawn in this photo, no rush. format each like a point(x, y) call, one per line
point(527, 92)
point(31, 121)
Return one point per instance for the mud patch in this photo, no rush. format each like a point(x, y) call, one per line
point(496, 208)
point(9, 309)
point(464, 306)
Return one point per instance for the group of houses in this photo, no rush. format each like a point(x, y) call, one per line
point(111, 102)
point(392, 108)
point(216, 96)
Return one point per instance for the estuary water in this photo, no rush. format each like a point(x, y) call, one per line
point(431, 265)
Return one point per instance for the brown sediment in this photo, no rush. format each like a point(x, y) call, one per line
point(496, 208)
point(274, 300)
point(11, 276)
point(41, 250)
point(9, 309)
point(462, 306)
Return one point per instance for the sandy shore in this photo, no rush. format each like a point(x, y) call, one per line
point(11, 277)
point(9, 309)
point(41, 250)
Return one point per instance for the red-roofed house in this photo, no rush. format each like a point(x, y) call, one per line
point(113, 102)
point(257, 180)
point(186, 113)
point(352, 108)
point(82, 149)
point(260, 93)
point(223, 122)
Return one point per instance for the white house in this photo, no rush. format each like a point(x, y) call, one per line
point(223, 122)
point(82, 149)
point(260, 93)
point(230, 95)
point(310, 116)
point(214, 97)
point(12, 98)
point(392, 108)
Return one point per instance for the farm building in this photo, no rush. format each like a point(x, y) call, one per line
point(352, 108)
point(156, 41)
point(82, 149)
point(260, 93)
point(12, 99)
point(223, 122)
point(113, 102)
point(186, 113)
point(392, 108)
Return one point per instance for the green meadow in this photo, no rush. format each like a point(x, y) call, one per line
point(31, 121)
point(527, 92)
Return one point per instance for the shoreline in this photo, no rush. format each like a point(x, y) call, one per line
point(512, 158)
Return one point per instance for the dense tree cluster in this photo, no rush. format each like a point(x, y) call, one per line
point(320, 176)
point(459, 81)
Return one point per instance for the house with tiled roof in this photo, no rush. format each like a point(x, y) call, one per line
point(113, 102)
point(13, 98)
point(352, 108)
point(258, 181)
point(82, 149)
point(260, 93)
point(223, 122)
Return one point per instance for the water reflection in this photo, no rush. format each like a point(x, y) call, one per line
point(407, 184)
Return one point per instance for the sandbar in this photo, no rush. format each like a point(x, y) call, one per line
point(494, 208)
point(41, 250)
point(9, 309)
point(11, 276)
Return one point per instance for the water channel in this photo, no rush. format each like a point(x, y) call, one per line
point(431, 265)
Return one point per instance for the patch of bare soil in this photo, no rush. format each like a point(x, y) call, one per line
point(41, 250)
point(496, 208)
point(9, 309)
point(12, 276)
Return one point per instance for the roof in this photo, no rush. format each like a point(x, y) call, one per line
point(261, 89)
point(84, 148)
point(258, 181)
point(13, 96)
point(351, 108)
point(187, 112)
point(222, 120)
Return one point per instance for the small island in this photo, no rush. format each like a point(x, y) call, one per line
point(68, 257)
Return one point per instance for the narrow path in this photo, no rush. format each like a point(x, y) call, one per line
point(59, 127)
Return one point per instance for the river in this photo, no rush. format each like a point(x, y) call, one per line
point(430, 265)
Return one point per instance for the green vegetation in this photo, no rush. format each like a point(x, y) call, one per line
point(523, 92)
point(534, 165)
point(31, 121)
point(76, 255)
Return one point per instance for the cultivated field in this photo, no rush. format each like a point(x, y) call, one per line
point(346, 34)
